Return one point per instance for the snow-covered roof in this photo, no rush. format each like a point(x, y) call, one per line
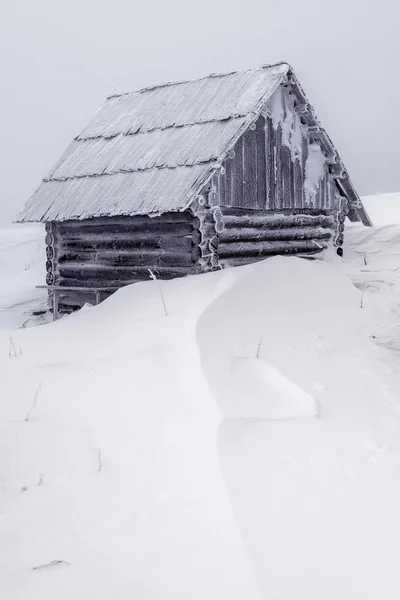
point(151, 151)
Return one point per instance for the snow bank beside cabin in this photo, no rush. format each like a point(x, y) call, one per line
point(310, 442)
point(384, 209)
point(22, 267)
point(245, 446)
point(110, 483)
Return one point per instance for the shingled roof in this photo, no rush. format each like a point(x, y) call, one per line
point(151, 151)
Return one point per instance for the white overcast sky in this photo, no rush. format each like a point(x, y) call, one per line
point(59, 60)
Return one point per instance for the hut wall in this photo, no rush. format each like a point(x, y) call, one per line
point(235, 236)
point(279, 163)
point(108, 253)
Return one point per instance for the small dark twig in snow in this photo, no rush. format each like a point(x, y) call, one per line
point(260, 341)
point(35, 401)
point(53, 563)
point(365, 259)
point(113, 86)
point(362, 300)
point(41, 479)
point(152, 275)
point(99, 459)
point(12, 353)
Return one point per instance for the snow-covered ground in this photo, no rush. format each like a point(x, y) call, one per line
point(245, 446)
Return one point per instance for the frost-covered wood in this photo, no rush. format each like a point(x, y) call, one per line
point(277, 221)
point(191, 177)
point(114, 252)
point(154, 150)
point(242, 249)
point(257, 234)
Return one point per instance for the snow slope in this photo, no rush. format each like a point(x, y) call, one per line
point(245, 446)
point(384, 209)
point(315, 490)
point(22, 267)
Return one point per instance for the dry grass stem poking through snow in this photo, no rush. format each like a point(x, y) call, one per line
point(260, 341)
point(53, 563)
point(12, 352)
point(152, 275)
point(99, 459)
point(35, 401)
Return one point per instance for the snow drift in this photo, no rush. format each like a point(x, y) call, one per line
point(247, 445)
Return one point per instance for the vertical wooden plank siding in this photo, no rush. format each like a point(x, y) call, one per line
point(237, 174)
point(250, 169)
point(261, 164)
point(244, 184)
point(261, 173)
point(304, 155)
point(270, 163)
point(286, 178)
point(331, 192)
point(278, 169)
point(325, 185)
point(221, 188)
point(228, 182)
point(297, 184)
point(214, 191)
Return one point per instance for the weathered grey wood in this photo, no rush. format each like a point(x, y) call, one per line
point(278, 169)
point(214, 260)
point(111, 285)
point(268, 248)
point(78, 299)
point(250, 169)
point(336, 169)
point(279, 221)
point(183, 243)
point(237, 174)
point(228, 181)
point(297, 184)
point(123, 222)
point(286, 182)
point(218, 218)
point(241, 212)
point(321, 138)
point(270, 164)
point(50, 278)
point(331, 193)
point(221, 189)
point(304, 156)
point(100, 273)
point(246, 260)
point(76, 288)
point(261, 163)
point(55, 305)
point(132, 258)
point(257, 234)
point(142, 231)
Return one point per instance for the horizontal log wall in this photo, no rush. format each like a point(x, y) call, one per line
point(243, 238)
point(113, 252)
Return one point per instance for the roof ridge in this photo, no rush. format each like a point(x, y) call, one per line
point(211, 75)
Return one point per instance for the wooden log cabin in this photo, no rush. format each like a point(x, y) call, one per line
point(188, 177)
